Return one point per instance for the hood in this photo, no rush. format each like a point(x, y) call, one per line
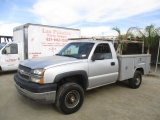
point(51, 61)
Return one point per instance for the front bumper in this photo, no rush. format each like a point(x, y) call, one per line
point(40, 93)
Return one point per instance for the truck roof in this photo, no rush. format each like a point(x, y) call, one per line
point(88, 40)
point(106, 40)
point(30, 24)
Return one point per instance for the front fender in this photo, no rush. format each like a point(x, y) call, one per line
point(81, 73)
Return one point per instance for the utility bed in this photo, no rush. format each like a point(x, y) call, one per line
point(129, 63)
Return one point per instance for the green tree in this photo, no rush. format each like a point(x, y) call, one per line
point(121, 45)
point(148, 35)
point(134, 33)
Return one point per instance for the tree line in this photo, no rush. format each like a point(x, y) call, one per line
point(149, 35)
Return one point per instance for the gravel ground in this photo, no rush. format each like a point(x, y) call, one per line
point(112, 102)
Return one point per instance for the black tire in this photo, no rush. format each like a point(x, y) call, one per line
point(135, 82)
point(69, 98)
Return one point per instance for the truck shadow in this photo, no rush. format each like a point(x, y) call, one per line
point(110, 87)
point(51, 108)
point(36, 106)
point(123, 83)
point(8, 72)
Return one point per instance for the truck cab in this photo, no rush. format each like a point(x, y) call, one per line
point(9, 57)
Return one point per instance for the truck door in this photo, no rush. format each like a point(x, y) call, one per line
point(103, 68)
point(10, 57)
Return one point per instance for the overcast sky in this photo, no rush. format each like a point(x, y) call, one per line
point(92, 17)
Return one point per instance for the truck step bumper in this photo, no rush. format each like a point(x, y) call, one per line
point(45, 97)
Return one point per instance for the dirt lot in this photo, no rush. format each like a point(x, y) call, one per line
point(112, 102)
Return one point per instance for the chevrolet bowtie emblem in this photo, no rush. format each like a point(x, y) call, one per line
point(21, 71)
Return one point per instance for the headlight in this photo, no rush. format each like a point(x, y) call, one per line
point(38, 71)
point(36, 80)
point(37, 76)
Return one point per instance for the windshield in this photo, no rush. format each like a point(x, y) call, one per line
point(2, 45)
point(79, 50)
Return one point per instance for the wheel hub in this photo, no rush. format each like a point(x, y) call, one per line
point(137, 81)
point(72, 99)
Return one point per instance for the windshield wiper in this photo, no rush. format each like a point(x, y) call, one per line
point(67, 55)
point(58, 54)
point(70, 56)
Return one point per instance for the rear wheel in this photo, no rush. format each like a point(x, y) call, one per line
point(135, 82)
point(70, 98)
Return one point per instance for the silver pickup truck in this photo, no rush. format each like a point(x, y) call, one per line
point(81, 65)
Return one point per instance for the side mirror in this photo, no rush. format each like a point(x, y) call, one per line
point(97, 56)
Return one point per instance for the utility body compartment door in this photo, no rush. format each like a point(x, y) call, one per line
point(104, 71)
point(129, 64)
point(10, 57)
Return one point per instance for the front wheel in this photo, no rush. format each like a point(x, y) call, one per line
point(70, 98)
point(135, 82)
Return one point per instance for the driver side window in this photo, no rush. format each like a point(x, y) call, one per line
point(104, 49)
point(11, 49)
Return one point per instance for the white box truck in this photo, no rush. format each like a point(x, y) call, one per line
point(33, 41)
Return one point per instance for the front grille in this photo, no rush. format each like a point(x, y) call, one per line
point(24, 72)
point(26, 69)
point(24, 76)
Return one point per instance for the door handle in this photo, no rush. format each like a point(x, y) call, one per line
point(112, 63)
